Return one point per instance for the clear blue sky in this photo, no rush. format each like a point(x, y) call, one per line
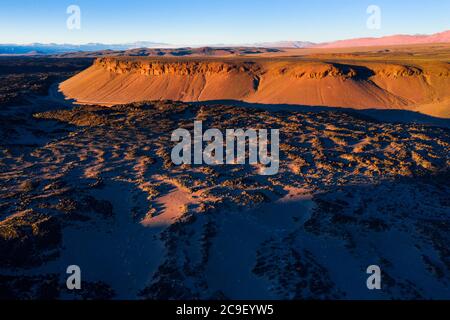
point(215, 21)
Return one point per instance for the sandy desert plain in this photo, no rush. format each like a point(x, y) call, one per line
point(86, 176)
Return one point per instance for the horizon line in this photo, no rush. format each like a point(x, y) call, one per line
point(180, 45)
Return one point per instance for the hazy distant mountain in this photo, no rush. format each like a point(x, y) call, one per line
point(284, 44)
point(441, 37)
point(52, 48)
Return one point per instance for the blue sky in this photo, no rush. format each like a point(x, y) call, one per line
point(195, 22)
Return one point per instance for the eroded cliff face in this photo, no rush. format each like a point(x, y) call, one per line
point(355, 84)
point(168, 67)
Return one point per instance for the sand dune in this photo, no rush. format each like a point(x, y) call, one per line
point(360, 82)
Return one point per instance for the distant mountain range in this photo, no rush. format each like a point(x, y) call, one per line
point(441, 37)
point(284, 44)
point(52, 48)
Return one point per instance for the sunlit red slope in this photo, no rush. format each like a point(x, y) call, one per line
point(421, 85)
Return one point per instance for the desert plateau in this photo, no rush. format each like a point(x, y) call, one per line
point(413, 78)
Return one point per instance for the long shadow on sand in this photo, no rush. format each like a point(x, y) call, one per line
point(392, 115)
